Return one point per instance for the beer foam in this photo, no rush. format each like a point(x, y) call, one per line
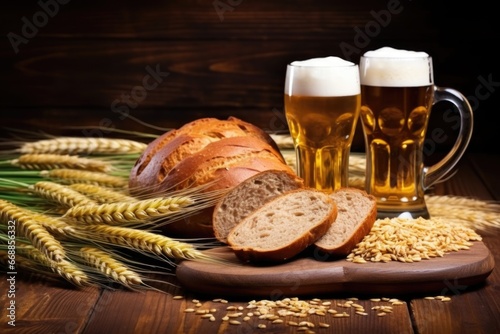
point(328, 76)
point(389, 67)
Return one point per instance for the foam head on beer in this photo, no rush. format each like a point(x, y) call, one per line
point(389, 67)
point(328, 76)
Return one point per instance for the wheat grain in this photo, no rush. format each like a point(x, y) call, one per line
point(43, 161)
point(101, 194)
point(410, 240)
point(60, 194)
point(128, 212)
point(32, 230)
point(77, 145)
point(110, 267)
point(70, 176)
point(64, 268)
point(139, 240)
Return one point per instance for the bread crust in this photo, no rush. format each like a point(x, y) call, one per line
point(217, 154)
point(362, 228)
point(289, 250)
point(202, 167)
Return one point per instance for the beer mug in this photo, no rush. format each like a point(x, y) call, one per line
point(398, 93)
point(322, 104)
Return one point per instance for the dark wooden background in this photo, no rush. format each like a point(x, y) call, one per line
point(74, 63)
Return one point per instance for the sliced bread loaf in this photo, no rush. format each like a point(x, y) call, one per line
point(250, 195)
point(283, 227)
point(357, 212)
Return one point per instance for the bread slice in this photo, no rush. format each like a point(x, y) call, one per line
point(283, 227)
point(357, 212)
point(250, 195)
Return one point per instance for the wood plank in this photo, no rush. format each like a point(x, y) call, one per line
point(44, 306)
point(217, 20)
point(466, 312)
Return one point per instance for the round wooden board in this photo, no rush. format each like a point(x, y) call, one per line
point(307, 276)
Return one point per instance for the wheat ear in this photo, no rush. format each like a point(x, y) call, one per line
point(128, 212)
point(55, 225)
point(70, 176)
point(32, 230)
point(60, 194)
point(101, 194)
point(110, 267)
point(55, 161)
point(473, 213)
point(140, 240)
point(27, 264)
point(64, 268)
point(77, 145)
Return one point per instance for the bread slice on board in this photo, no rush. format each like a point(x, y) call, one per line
point(283, 227)
point(250, 195)
point(357, 212)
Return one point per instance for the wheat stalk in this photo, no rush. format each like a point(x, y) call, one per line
point(70, 176)
point(144, 241)
point(77, 145)
point(473, 213)
point(128, 212)
point(60, 194)
point(64, 268)
point(282, 140)
point(32, 230)
point(101, 194)
point(41, 161)
point(110, 267)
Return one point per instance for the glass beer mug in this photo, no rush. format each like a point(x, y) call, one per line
point(322, 103)
point(398, 93)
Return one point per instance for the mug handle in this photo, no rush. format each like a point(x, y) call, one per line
point(439, 170)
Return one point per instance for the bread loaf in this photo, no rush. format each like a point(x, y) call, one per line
point(357, 212)
point(250, 195)
point(283, 227)
point(218, 154)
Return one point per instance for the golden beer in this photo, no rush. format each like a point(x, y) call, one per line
point(323, 128)
point(397, 94)
point(322, 104)
point(394, 123)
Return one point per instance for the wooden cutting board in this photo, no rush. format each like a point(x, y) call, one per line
point(453, 273)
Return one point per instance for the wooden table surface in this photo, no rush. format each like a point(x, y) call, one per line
point(43, 306)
